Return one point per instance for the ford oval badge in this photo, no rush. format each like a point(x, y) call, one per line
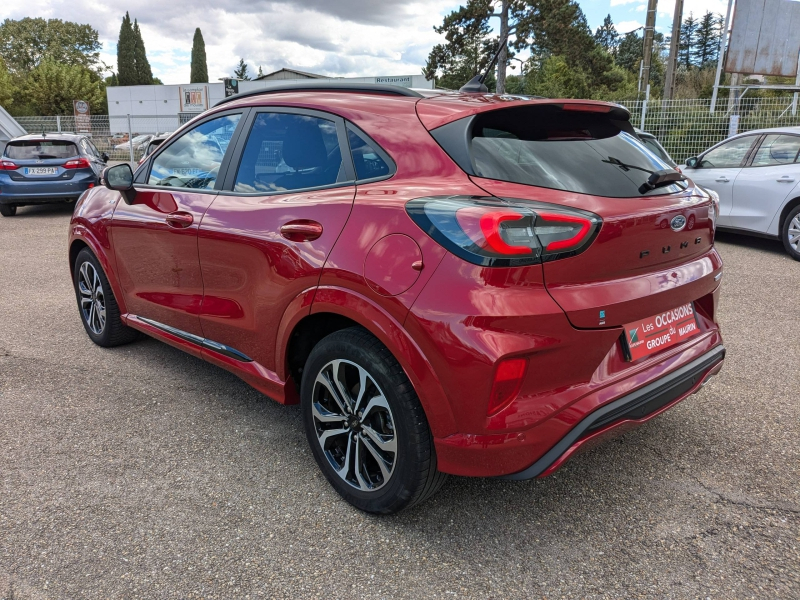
point(678, 223)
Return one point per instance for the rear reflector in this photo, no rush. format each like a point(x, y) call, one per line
point(507, 383)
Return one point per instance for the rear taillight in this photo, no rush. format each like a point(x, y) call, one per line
point(500, 232)
point(713, 210)
point(507, 383)
point(7, 165)
point(78, 163)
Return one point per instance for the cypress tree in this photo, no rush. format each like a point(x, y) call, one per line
point(144, 75)
point(126, 62)
point(199, 66)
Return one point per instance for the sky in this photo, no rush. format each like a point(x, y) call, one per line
point(345, 38)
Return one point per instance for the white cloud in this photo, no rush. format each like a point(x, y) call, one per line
point(622, 2)
point(331, 37)
point(626, 26)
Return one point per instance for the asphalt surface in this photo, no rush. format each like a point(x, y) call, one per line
point(142, 472)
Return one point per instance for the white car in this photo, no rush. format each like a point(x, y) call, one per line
point(757, 177)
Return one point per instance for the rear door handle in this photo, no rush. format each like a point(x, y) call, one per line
point(723, 180)
point(785, 179)
point(179, 220)
point(301, 230)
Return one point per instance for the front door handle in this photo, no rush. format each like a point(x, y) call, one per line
point(723, 180)
point(179, 220)
point(301, 230)
point(785, 179)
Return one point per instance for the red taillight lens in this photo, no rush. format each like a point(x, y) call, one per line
point(501, 233)
point(78, 163)
point(7, 165)
point(596, 108)
point(507, 383)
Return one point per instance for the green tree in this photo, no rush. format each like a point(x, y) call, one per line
point(52, 86)
point(607, 36)
point(240, 72)
point(687, 41)
point(144, 74)
point(199, 66)
point(126, 53)
point(707, 40)
point(260, 73)
point(7, 86)
point(27, 42)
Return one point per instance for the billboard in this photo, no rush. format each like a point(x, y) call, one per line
point(194, 98)
point(765, 38)
point(83, 120)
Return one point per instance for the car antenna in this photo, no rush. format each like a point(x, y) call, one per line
point(476, 85)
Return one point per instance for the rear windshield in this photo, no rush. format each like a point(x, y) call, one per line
point(41, 149)
point(654, 147)
point(582, 152)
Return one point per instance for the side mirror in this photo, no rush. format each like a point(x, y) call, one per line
point(692, 162)
point(120, 178)
point(104, 156)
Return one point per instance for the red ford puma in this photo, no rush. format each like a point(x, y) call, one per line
point(451, 283)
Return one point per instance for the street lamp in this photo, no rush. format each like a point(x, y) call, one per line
point(521, 71)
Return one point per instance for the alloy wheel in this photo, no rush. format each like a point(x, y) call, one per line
point(93, 302)
point(793, 233)
point(354, 425)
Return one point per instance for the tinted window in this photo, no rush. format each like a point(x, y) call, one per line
point(193, 160)
point(367, 160)
point(565, 150)
point(41, 149)
point(654, 147)
point(728, 155)
point(777, 150)
point(289, 152)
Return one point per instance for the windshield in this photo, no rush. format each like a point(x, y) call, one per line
point(40, 149)
point(575, 151)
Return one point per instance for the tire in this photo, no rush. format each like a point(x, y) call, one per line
point(8, 210)
point(94, 295)
point(392, 414)
point(790, 233)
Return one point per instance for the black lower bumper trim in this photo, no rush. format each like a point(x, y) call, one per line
point(635, 405)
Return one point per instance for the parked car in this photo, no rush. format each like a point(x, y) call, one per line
point(651, 142)
point(46, 168)
point(139, 142)
point(451, 283)
point(152, 145)
point(757, 177)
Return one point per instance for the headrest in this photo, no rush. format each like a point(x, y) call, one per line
point(304, 148)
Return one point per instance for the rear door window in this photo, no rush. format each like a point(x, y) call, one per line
point(287, 152)
point(545, 146)
point(370, 160)
point(777, 150)
point(728, 155)
point(40, 149)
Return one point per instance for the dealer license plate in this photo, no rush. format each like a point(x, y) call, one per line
point(660, 331)
point(40, 170)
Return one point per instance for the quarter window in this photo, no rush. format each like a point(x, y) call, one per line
point(777, 150)
point(193, 160)
point(367, 159)
point(287, 152)
point(729, 155)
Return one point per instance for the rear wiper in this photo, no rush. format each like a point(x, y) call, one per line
point(657, 179)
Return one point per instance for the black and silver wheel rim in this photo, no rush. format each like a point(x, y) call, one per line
point(793, 233)
point(354, 425)
point(93, 301)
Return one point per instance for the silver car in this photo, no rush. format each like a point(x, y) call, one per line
point(757, 177)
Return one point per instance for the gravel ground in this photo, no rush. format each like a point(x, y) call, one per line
point(142, 472)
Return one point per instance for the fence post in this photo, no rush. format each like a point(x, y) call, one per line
point(644, 106)
point(58, 120)
point(130, 137)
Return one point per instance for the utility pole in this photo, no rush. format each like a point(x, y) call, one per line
point(502, 59)
point(647, 51)
point(672, 62)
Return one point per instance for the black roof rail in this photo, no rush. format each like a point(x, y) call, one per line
point(327, 86)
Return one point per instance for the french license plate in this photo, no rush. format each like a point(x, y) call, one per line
point(660, 331)
point(40, 170)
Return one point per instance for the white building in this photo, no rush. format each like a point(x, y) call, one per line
point(177, 103)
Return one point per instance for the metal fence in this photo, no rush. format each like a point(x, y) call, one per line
point(684, 127)
point(109, 134)
point(687, 127)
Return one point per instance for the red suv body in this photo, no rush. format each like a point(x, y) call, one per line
point(490, 250)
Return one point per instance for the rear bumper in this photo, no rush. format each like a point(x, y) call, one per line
point(636, 407)
point(42, 192)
